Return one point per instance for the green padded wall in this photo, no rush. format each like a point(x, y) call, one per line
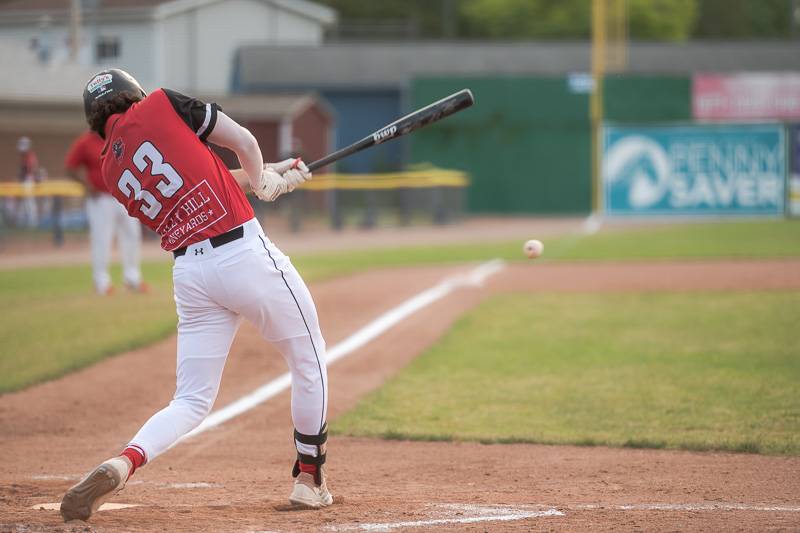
point(525, 143)
point(641, 99)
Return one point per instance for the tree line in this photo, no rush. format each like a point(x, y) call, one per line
point(658, 20)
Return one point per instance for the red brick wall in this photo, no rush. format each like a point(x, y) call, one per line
point(312, 129)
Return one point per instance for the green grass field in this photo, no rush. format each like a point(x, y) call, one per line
point(698, 371)
point(53, 324)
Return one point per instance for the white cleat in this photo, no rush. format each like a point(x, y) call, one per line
point(306, 493)
point(88, 494)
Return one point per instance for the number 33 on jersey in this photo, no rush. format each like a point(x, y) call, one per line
point(162, 176)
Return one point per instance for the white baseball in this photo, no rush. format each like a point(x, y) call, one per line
point(533, 248)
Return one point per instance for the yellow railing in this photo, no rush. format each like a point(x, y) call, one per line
point(57, 187)
point(413, 179)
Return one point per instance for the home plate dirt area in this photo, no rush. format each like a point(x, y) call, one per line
point(236, 477)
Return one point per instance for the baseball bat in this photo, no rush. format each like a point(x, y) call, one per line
point(411, 122)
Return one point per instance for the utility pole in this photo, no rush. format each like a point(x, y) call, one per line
point(599, 53)
point(75, 22)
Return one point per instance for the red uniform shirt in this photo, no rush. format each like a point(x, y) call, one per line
point(85, 152)
point(157, 163)
point(29, 167)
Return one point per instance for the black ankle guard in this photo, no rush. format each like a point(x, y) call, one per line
point(314, 440)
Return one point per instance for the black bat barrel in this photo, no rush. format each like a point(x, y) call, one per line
point(411, 122)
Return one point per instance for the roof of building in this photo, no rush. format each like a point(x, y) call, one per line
point(269, 106)
point(66, 116)
point(392, 64)
point(32, 11)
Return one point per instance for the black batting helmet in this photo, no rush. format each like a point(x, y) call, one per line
point(108, 83)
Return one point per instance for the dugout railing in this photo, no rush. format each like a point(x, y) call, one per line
point(437, 192)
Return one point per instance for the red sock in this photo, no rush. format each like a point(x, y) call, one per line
point(136, 457)
point(309, 469)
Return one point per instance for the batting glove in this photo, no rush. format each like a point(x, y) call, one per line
point(271, 185)
point(293, 170)
point(281, 166)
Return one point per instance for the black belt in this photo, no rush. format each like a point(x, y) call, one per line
point(216, 242)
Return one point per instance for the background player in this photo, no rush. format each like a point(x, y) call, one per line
point(107, 217)
point(30, 173)
point(156, 162)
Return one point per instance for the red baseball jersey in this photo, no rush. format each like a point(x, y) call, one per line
point(85, 152)
point(157, 162)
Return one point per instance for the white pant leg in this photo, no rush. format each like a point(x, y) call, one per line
point(98, 211)
point(129, 241)
point(261, 284)
point(205, 333)
point(30, 212)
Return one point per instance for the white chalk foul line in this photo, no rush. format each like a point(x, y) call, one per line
point(474, 514)
point(444, 514)
point(355, 341)
point(105, 507)
point(710, 506)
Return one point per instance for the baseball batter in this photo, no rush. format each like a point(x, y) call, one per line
point(107, 217)
point(156, 161)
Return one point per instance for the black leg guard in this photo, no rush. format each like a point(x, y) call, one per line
point(313, 440)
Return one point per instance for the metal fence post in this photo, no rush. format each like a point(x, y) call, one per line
point(58, 223)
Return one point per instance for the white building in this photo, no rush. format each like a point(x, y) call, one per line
point(187, 45)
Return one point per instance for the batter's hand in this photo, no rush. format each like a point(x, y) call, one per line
point(293, 170)
point(281, 166)
point(271, 185)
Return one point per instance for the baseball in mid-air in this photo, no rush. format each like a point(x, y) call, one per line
point(533, 248)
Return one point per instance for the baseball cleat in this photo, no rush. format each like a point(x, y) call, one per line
point(306, 493)
point(138, 288)
point(88, 495)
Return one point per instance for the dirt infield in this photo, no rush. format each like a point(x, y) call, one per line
point(236, 477)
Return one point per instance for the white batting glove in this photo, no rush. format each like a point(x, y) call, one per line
point(281, 166)
point(293, 170)
point(271, 185)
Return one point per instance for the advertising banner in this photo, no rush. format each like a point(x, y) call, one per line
point(694, 170)
point(794, 170)
point(746, 96)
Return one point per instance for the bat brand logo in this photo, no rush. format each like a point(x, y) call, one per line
point(384, 134)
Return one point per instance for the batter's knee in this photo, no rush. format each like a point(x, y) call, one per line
point(195, 408)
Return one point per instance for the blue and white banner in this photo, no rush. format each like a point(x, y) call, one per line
point(794, 170)
point(732, 169)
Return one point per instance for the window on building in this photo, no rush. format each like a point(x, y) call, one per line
point(107, 48)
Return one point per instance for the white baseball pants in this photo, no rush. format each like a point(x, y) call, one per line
point(107, 218)
point(214, 289)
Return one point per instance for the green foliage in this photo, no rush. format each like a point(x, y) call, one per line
point(670, 20)
point(698, 371)
point(424, 15)
point(661, 20)
point(743, 19)
point(526, 19)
